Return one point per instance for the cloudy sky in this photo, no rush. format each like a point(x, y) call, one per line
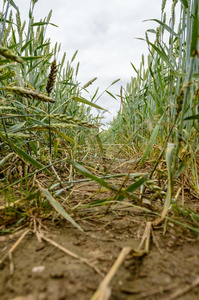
point(104, 32)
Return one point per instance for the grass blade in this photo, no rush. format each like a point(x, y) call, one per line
point(165, 26)
point(169, 153)
point(151, 142)
point(163, 55)
point(194, 117)
point(133, 187)
point(24, 155)
point(87, 174)
point(83, 100)
point(43, 23)
point(57, 206)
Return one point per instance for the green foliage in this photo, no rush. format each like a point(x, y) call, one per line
point(161, 103)
point(166, 84)
point(25, 60)
point(122, 193)
point(43, 115)
point(58, 207)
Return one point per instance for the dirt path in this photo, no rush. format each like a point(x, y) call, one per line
point(69, 264)
point(172, 263)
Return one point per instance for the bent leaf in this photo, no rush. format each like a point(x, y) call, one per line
point(110, 94)
point(14, 5)
point(57, 206)
point(163, 55)
point(110, 187)
point(87, 174)
point(165, 26)
point(83, 100)
point(24, 155)
point(43, 23)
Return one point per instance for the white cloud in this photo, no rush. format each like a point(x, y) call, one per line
point(104, 32)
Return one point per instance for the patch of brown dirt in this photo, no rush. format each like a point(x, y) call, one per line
point(172, 263)
point(39, 270)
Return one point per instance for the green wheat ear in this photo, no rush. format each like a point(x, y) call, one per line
point(5, 52)
point(51, 77)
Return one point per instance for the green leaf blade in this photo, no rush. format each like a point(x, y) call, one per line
point(83, 100)
point(57, 206)
point(24, 155)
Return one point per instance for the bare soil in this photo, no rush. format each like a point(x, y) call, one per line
point(39, 270)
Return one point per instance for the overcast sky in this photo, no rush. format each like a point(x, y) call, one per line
point(104, 32)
